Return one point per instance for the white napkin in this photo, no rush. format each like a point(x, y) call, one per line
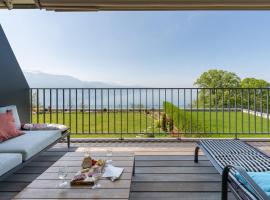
point(112, 172)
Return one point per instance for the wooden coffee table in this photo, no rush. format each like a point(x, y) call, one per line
point(46, 185)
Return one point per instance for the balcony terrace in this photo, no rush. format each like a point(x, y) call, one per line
point(159, 127)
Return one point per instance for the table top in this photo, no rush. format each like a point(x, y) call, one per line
point(46, 185)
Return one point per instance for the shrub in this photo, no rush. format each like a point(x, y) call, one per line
point(157, 124)
point(182, 119)
point(164, 122)
point(150, 135)
point(170, 124)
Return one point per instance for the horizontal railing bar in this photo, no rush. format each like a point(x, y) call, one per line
point(189, 133)
point(149, 88)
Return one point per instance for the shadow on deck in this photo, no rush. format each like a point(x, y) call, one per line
point(18, 181)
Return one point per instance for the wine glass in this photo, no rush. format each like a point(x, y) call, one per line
point(62, 175)
point(96, 176)
point(86, 153)
point(109, 155)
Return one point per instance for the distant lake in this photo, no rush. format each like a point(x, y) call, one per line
point(111, 98)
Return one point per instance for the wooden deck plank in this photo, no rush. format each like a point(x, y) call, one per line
point(167, 158)
point(174, 163)
point(73, 199)
point(47, 158)
point(40, 164)
point(76, 169)
point(166, 153)
point(177, 196)
point(53, 176)
point(26, 178)
point(53, 153)
point(175, 170)
point(31, 170)
point(12, 187)
point(93, 153)
point(73, 193)
point(176, 187)
point(77, 158)
point(7, 195)
point(78, 163)
point(176, 177)
point(54, 184)
point(62, 149)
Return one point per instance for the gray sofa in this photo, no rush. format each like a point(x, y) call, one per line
point(30, 143)
point(18, 151)
point(9, 161)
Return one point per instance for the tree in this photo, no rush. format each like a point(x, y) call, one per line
point(214, 78)
point(254, 83)
point(260, 93)
point(217, 79)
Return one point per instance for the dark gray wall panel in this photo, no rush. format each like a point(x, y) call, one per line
point(14, 89)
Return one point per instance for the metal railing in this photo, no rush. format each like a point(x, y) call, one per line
point(164, 112)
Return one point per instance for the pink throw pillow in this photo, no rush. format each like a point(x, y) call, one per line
point(8, 126)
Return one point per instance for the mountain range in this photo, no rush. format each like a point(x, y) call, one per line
point(46, 80)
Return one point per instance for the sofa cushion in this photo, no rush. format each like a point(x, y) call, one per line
point(13, 108)
point(8, 161)
point(262, 179)
point(30, 143)
point(7, 126)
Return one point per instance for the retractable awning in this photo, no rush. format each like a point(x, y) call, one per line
point(96, 5)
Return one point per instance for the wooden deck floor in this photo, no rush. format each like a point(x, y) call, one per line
point(163, 170)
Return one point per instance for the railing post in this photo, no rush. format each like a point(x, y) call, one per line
point(196, 154)
point(31, 105)
point(224, 184)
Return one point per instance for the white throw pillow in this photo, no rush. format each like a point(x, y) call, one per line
point(14, 112)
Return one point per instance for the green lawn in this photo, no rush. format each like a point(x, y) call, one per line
point(135, 123)
point(218, 122)
point(125, 122)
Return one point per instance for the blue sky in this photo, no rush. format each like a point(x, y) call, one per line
point(160, 49)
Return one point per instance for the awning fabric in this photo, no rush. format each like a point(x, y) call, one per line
point(96, 5)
